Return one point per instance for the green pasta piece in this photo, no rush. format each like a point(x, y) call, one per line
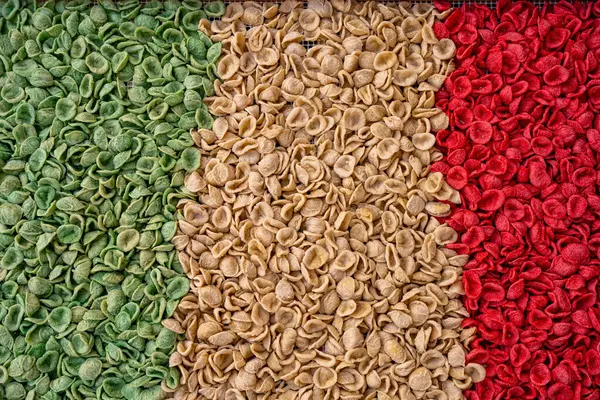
point(96, 106)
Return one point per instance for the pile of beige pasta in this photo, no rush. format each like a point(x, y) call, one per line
point(318, 268)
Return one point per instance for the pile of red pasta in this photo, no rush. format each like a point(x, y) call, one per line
point(523, 149)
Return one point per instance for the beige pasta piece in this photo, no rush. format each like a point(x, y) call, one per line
point(344, 166)
point(318, 266)
point(228, 66)
point(385, 60)
point(444, 49)
point(354, 119)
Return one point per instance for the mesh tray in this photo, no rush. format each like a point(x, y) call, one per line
point(490, 3)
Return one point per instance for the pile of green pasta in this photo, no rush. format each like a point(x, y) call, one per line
point(96, 105)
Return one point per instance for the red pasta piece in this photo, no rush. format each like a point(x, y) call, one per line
point(592, 362)
point(538, 175)
point(556, 75)
point(492, 292)
point(519, 355)
point(482, 86)
point(462, 87)
point(576, 206)
point(440, 30)
point(442, 5)
point(540, 375)
point(494, 62)
point(480, 132)
point(455, 20)
point(473, 236)
point(497, 165)
point(463, 117)
point(541, 146)
point(516, 290)
point(576, 253)
point(491, 200)
point(472, 284)
point(556, 38)
point(467, 34)
point(510, 63)
point(457, 177)
point(584, 176)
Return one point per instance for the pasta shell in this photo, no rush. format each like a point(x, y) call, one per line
point(373, 380)
point(387, 148)
point(297, 118)
point(356, 27)
point(292, 86)
point(309, 20)
point(269, 164)
point(284, 291)
point(363, 77)
point(221, 218)
point(394, 350)
point(233, 11)
point(405, 243)
point(444, 235)
point(475, 371)
point(344, 166)
point(330, 302)
point(195, 214)
point(411, 28)
point(352, 338)
point(252, 16)
point(374, 44)
point(324, 378)
point(346, 308)
point(415, 63)
point(228, 66)
point(419, 312)
point(229, 266)
point(405, 78)
point(247, 126)
point(351, 379)
point(222, 338)
point(437, 209)
point(208, 329)
point(456, 356)
point(266, 57)
point(316, 125)
point(207, 261)
point(384, 60)
point(387, 31)
point(433, 359)
point(248, 63)
point(423, 141)
point(345, 260)
point(315, 257)
point(210, 295)
point(288, 339)
point(354, 119)
point(346, 288)
point(444, 50)
point(420, 379)
point(331, 65)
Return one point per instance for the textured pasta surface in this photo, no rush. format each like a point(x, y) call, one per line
point(318, 266)
point(523, 150)
point(96, 105)
point(299, 200)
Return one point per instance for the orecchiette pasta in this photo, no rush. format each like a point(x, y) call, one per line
point(317, 266)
